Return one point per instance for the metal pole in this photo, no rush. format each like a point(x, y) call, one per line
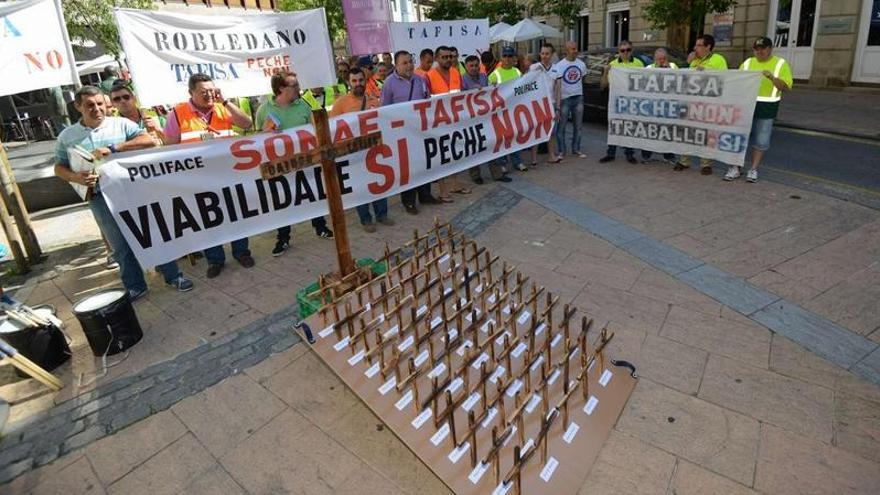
point(20, 123)
point(68, 47)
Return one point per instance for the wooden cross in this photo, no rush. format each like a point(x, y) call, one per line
point(326, 154)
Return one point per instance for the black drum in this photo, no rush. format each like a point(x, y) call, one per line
point(44, 344)
point(109, 322)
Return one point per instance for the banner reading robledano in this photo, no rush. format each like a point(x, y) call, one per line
point(33, 51)
point(239, 52)
point(469, 36)
point(367, 22)
point(689, 112)
point(177, 200)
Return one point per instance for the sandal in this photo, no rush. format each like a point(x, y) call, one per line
point(446, 200)
point(557, 160)
point(463, 190)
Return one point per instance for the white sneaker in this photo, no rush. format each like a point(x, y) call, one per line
point(752, 176)
point(732, 173)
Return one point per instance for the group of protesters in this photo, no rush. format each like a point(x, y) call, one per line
point(112, 121)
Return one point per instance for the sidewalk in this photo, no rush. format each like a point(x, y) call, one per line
point(848, 113)
point(736, 395)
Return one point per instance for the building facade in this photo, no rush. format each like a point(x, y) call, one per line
point(827, 42)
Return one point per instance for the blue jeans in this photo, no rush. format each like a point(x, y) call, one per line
point(380, 206)
point(216, 256)
point(571, 109)
point(514, 160)
point(762, 129)
point(129, 269)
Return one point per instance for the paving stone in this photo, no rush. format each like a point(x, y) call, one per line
point(853, 384)
point(309, 386)
point(675, 365)
point(852, 303)
point(691, 479)
point(770, 397)
point(747, 343)
point(857, 426)
point(175, 469)
point(793, 360)
point(224, 415)
point(661, 286)
point(607, 303)
point(792, 464)
point(706, 434)
point(116, 455)
point(627, 465)
point(792, 289)
point(620, 275)
point(290, 455)
point(30, 479)
point(367, 480)
point(215, 481)
point(661, 255)
point(727, 289)
point(75, 479)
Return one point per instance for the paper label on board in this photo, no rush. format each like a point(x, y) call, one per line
point(447, 291)
point(525, 448)
point(356, 358)
point(342, 344)
point(436, 321)
point(549, 468)
point(372, 370)
point(407, 342)
point(498, 373)
point(524, 317)
point(439, 369)
point(453, 334)
point(421, 418)
point(554, 376)
point(404, 401)
point(477, 473)
point(514, 388)
point(556, 340)
point(421, 358)
point(455, 385)
point(325, 332)
point(478, 288)
point(519, 349)
point(489, 417)
point(485, 327)
point(502, 489)
point(456, 454)
point(391, 332)
point(467, 343)
point(468, 315)
point(605, 378)
point(533, 403)
point(591, 404)
point(570, 432)
point(491, 299)
point(592, 364)
point(422, 310)
point(512, 433)
point(540, 330)
point(444, 258)
point(440, 434)
point(471, 401)
point(537, 363)
point(500, 339)
point(506, 309)
point(381, 317)
point(387, 386)
point(480, 360)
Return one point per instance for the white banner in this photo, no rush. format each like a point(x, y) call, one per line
point(240, 52)
point(176, 200)
point(33, 48)
point(689, 112)
point(469, 36)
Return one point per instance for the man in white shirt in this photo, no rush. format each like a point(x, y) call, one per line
point(571, 71)
point(545, 64)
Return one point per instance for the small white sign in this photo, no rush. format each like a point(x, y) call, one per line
point(506, 309)
point(391, 332)
point(440, 435)
point(387, 386)
point(498, 373)
point(514, 388)
point(519, 349)
point(421, 358)
point(453, 333)
point(500, 339)
point(444, 258)
point(455, 385)
point(549, 468)
point(468, 315)
point(471, 401)
point(422, 310)
point(325, 332)
point(436, 321)
point(502, 489)
point(605, 378)
point(356, 358)
point(489, 417)
point(342, 344)
point(372, 370)
point(525, 448)
point(478, 288)
point(407, 342)
point(480, 360)
point(533, 403)
point(591, 404)
point(512, 433)
point(404, 401)
point(421, 418)
point(477, 473)
point(537, 363)
point(570, 432)
point(554, 376)
point(456, 454)
point(556, 340)
point(467, 343)
point(491, 299)
point(540, 330)
point(485, 327)
point(440, 368)
point(524, 317)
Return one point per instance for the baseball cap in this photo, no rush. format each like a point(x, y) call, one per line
point(508, 51)
point(763, 42)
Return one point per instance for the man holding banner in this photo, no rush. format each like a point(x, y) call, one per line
point(506, 71)
point(624, 59)
point(777, 79)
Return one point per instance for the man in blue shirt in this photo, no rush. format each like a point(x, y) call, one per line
point(102, 136)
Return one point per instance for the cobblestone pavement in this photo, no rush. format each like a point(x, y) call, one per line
point(724, 405)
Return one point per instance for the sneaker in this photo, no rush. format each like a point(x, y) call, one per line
point(732, 173)
point(110, 263)
point(504, 178)
point(606, 159)
point(182, 284)
point(411, 209)
point(324, 233)
point(246, 260)
point(134, 295)
point(386, 221)
point(280, 248)
point(522, 167)
point(581, 155)
point(752, 176)
point(370, 227)
point(631, 159)
point(214, 270)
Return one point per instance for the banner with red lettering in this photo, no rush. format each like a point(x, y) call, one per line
point(240, 52)
point(34, 52)
point(176, 200)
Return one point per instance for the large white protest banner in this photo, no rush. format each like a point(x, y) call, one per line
point(172, 201)
point(34, 52)
point(469, 36)
point(240, 52)
point(702, 113)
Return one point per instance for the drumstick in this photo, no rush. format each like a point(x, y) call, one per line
point(29, 367)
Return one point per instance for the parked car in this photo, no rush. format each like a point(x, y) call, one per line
point(596, 98)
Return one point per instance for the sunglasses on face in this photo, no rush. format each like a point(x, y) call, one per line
point(625, 50)
point(117, 99)
point(208, 93)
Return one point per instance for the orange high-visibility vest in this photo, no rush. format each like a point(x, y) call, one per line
point(439, 85)
point(193, 126)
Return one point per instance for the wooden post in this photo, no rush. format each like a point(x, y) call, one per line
point(334, 193)
point(14, 204)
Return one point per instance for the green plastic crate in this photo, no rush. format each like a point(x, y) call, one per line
point(309, 305)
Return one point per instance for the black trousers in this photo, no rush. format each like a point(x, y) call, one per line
point(409, 197)
point(319, 223)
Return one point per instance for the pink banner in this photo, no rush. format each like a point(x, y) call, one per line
point(367, 23)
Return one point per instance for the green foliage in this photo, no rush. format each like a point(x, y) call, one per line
point(93, 20)
point(495, 10)
point(332, 8)
point(670, 13)
point(567, 10)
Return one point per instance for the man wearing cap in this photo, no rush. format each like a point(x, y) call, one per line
point(777, 79)
point(504, 72)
